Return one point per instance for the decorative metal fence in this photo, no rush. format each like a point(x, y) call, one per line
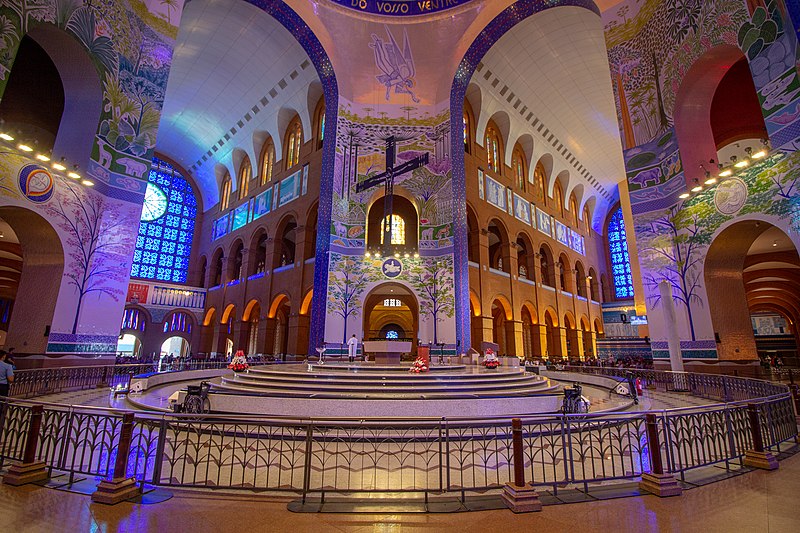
point(427, 455)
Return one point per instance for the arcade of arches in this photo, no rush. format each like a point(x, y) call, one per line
point(247, 229)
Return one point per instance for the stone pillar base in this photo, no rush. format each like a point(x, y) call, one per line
point(662, 485)
point(115, 491)
point(21, 474)
point(763, 460)
point(521, 499)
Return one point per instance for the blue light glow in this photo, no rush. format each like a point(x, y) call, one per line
point(164, 244)
point(620, 260)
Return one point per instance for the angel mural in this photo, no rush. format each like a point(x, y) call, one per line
point(397, 65)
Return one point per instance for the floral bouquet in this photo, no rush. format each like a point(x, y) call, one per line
point(239, 362)
point(491, 360)
point(418, 366)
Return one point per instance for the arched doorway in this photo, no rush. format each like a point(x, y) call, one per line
point(31, 263)
point(285, 243)
point(588, 342)
point(499, 247)
point(174, 347)
point(54, 94)
point(502, 326)
point(475, 321)
point(129, 346)
point(530, 335)
point(391, 304)
point(553, 335)
point(251, 317)
point(571, 333)
point(279, 312)
point(226, 342)
point(547, 266)
point(749, 267)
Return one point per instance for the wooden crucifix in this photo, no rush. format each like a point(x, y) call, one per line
point(387, 178)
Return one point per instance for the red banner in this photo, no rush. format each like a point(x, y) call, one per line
point(137, 293)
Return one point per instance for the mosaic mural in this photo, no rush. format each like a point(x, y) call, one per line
point(130, 43)
point(652, 46)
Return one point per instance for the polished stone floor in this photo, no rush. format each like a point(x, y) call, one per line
point(756, 502)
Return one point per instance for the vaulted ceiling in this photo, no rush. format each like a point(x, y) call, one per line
point(234, 69)
point(238, 75)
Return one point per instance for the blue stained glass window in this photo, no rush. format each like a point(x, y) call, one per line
point(392, 334)
point(620, 260)
point(166, 230)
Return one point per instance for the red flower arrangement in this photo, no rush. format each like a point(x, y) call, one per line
point(418, 366)
point(491, 360)
point(239, 362)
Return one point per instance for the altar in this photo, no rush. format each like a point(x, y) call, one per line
point(386, 351)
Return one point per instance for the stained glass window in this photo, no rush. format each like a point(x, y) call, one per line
point(178, 322)
point(398, 229)
point(392, 334)
point(132, 319)
point(620, 260)
point(164, 243)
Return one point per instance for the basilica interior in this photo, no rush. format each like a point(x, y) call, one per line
point(604, 188)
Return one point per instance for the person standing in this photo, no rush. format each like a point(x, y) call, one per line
point(6, 374)
point(352, 348)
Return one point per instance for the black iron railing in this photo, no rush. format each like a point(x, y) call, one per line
point(430, 455)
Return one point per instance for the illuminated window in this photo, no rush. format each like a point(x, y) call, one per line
point(295, 140)
point(245, 175)
point(322, 126)
point(558, 198)
point(392, 302)
point(540, 178)
point(587, 220)
point(573, 210)
point(164, 243)
point(178, 322)
point(493, 150)
point(267, 161)
point(518, 166)
point(620, 260)
point(398, 229)
point(392, 334)
point(225, 197)
point(132, 319)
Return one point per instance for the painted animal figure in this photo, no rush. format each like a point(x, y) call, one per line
point(646, 176)
point(105, 154)
point(427, 234)
point(133, 167)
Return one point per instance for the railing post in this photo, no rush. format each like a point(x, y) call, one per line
point(30, 470)
point(519, 496)
point(758, 457)
point(119, 488)
point(795, 390)
point(657, 481)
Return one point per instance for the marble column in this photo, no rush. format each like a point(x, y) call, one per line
point(671, 323)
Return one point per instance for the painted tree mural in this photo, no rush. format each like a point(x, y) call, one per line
point(432, 279)
point(670, 251)
point(346, 284)
point(99, 240)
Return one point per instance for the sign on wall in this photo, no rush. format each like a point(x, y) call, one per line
point(495, 193)
point(289, 188)
point(240, 216)
point(543, 222)
point(220, 228)
point(522, 209)
point(262, 204)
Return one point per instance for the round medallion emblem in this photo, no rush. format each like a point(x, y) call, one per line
point(730, 196)
point(392, 268)
point(36, 183)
